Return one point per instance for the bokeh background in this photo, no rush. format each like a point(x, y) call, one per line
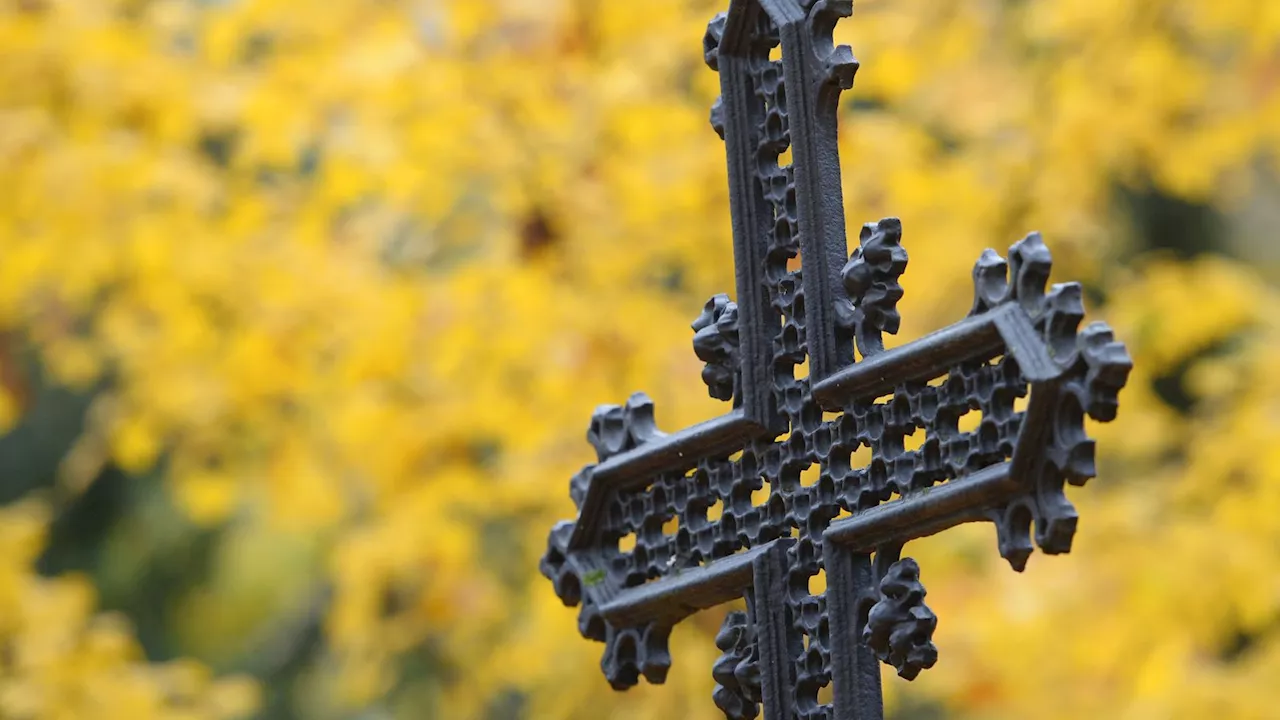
point(305, 306)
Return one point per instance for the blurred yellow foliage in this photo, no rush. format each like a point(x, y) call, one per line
point(63, 661)
point(356, 272)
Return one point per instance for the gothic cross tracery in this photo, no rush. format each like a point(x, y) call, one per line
point(685, 500)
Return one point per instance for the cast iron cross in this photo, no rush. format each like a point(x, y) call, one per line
point(690, 503)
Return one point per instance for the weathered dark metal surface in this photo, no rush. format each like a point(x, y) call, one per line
point(684, 501)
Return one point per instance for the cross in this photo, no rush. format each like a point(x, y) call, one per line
point(667, 524)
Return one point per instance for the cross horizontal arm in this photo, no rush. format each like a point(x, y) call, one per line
point(675, 597)
point(676, 452)
point(926, 512)
point(973, 338)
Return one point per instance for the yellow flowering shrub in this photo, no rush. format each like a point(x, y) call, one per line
point(350, 276)
point(62, 660)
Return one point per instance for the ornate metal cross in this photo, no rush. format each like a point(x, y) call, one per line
point(684, 501)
